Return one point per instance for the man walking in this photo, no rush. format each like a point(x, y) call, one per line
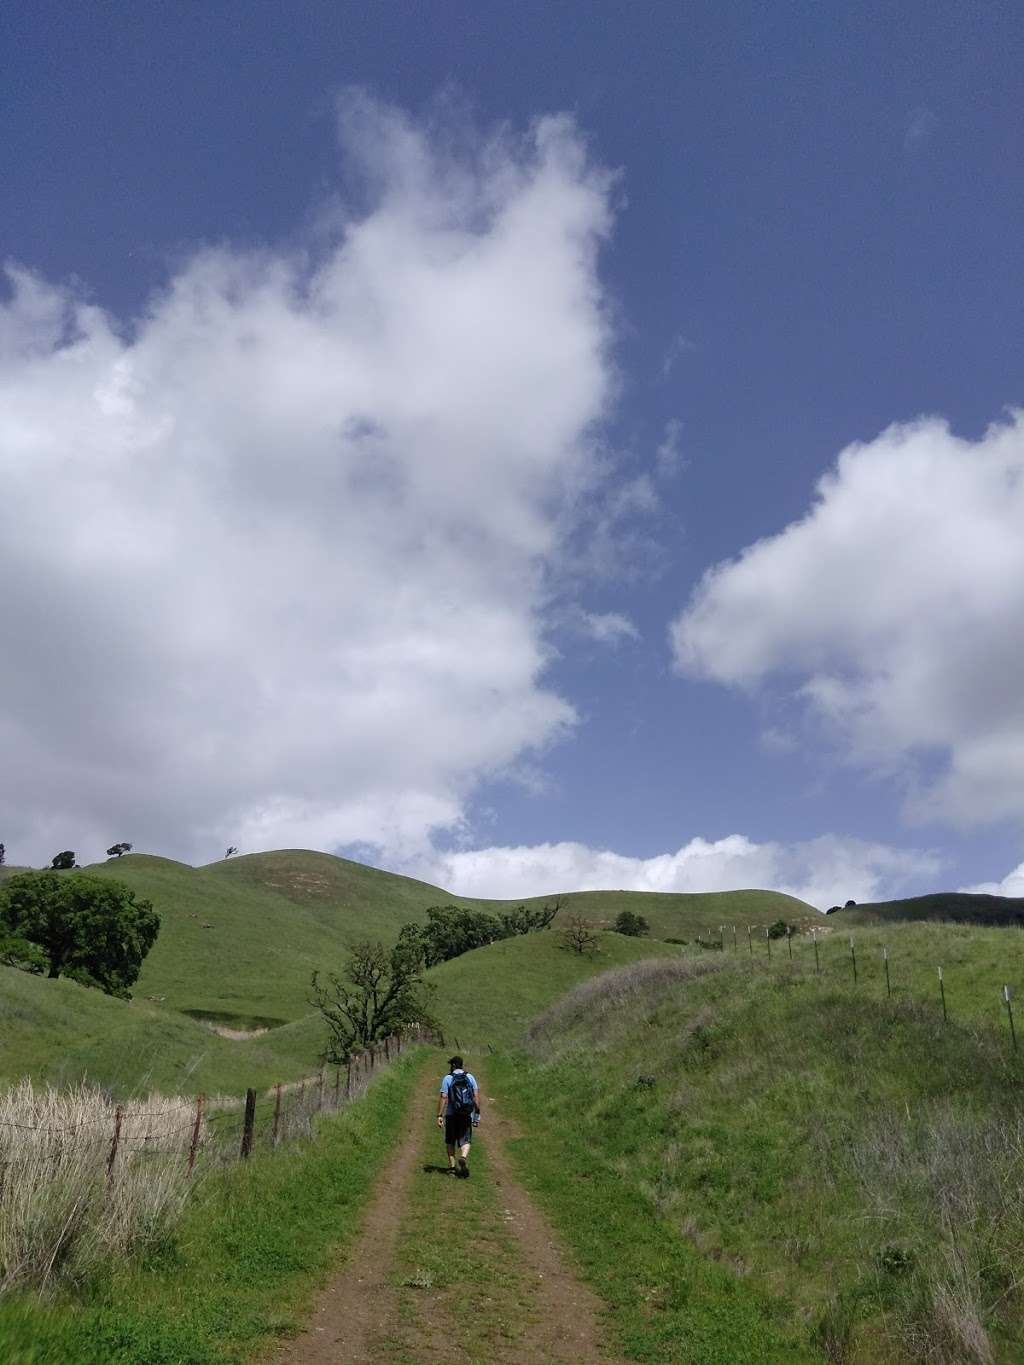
point(458, 1109)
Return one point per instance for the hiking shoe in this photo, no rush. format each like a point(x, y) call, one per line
point(463, 1168)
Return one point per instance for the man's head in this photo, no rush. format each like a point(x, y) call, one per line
point(455, 1063)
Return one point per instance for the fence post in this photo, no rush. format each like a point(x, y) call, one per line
point(817, 960)
point(248, 1122)
point(320, 1092)
point(942, 992)
point(337, 1085)
point(768, 944)
point(750, 941)
point(194, 1144)
point(888, 983)
point(275, 1135)
point(115, 1142)
point(789, 940)
point(1009, 1014)
point(734, 945)
point(387, 1051)
point(348, 1080)
point(853, 959)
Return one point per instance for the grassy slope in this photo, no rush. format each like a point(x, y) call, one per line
point(851, 1160)
point(491, 994)
point(958, 906)
point(57, 1031)
point(274, 918)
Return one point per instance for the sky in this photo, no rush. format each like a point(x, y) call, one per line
point(531, 447)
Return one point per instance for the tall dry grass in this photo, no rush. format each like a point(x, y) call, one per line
point(647, 983)
point(62, 1212)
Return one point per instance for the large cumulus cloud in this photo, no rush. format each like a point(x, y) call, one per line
point(821, 871)
point(274, 558)
point(895, 610)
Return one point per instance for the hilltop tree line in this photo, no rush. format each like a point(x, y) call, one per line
point(65, 861)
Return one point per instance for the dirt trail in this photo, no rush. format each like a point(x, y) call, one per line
point(353, 1322)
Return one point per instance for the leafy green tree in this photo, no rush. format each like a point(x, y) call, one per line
point(451, 930)
point(118, 850)
point(3, 855)
point(63, 862)
point(91, 930)
point(633, 925)
point(779, 929)
point(20, 953)
point(379, 991)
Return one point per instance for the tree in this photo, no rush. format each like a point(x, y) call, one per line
point(579, 935)
point(93, 931)
point(3, 855)
point(451, 930)
point(118, 850)
point(778, 930)
point(230, 851)
point(633, 925)
point(62, 862)
point(379, 991)
point(20, 953)
point(849, 904)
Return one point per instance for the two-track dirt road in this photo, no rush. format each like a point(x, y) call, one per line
point(452, 1270)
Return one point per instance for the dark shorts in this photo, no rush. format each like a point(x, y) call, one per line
point(458, 1129)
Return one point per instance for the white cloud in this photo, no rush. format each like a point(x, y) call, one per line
point(895, 610)
point(822, 871)
point(274, 563)
point(608, 627)
point(1011, 885)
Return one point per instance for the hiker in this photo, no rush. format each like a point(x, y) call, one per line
point(458, 1110)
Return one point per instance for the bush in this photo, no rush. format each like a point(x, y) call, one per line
point(635, 926)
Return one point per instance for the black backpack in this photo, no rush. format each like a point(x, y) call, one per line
point(460, 1094)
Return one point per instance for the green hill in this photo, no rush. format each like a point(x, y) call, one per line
point(852, 1161)
point(959, 907)
point(240, 938)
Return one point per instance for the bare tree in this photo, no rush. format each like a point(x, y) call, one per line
point(580, 935)
point(230, 851)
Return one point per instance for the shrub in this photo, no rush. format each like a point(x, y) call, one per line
point(634, 926)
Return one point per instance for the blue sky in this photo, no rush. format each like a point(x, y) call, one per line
point(462, 640)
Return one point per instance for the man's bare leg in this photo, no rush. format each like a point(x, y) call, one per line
point(463, 1159)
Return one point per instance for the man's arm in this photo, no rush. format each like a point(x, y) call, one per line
point(476, 1097)
point(442, 1105)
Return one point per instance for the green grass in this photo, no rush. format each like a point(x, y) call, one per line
point(490, 994)
point(254, 1246)
point(959, 906)
point(851, 1168)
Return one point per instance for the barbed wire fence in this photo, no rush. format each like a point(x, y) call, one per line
point(728, 942)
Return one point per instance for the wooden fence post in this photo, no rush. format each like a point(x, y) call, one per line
point(248, 1122)
point(348, 1080)
point(789, 940)
point(942, 992)
point(888, 983)
point(115, 1142)
point(817, 960)
point(853, 959)
point(750, 941)
point(275, 1136)
point(1009, 1013)
point(768, 944)
point(337, 1085)
point(320, 1092)
point(196, 1127)
point(387, 1051)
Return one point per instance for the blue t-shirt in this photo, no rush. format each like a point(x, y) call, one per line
point(446, 1085)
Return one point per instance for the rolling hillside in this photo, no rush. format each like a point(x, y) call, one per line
point(960, 907)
